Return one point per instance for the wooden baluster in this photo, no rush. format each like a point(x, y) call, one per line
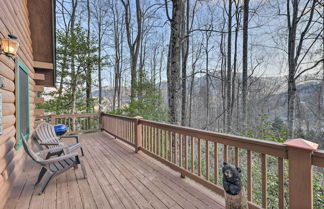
point(159, 141)
point(199, 157)
point(126, 132)
point(165, 144)
point(170, 145)
point(281, 183)
point(207, 160)
point(123, 129)
point(180, 149)
point(149, 137)
point(186, 151)
point(144, 136)
point(264, 180)
point(192, 155)
point(116, 124)
point(155, 141)
point(175, 139)
point(130, 124)
point(237, 157)
point(152, 139)
point(216, 163)
point(225, 153)
point(249, 175)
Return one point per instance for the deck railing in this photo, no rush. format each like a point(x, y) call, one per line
point(199, 154)
point(76, 123)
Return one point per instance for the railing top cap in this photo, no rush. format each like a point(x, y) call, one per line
point(301, 143)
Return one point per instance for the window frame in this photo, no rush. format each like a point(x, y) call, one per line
point(21, 66)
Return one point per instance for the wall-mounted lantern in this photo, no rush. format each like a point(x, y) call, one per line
point(9, 46)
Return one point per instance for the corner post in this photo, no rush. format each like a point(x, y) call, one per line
point(300, 172)
point(138, 133)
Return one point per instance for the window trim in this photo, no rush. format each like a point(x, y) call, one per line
point(21, 66)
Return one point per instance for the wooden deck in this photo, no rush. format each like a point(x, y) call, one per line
point(117, 178)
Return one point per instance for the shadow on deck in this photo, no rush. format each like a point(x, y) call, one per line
point(117, 178)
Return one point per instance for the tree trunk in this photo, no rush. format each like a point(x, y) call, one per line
point(245, 61)
point(237, 15)
point(229, 69)
point(88, 70)
point(99, 66)
point(134, 46)
point(175, 59)
point(292, 28)
point(185, 54)
point(74, 76)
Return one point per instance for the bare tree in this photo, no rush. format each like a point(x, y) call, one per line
point(100, 12)
point(229, 68)
point(245, 59)
point(118, 34)
point(134, 45)
point(174, 59)
point(296, 49)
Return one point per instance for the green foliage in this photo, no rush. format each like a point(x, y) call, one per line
point(277, 131)
point(74, 56)
point(318, 190)
point(267, 130)
point(149, 104)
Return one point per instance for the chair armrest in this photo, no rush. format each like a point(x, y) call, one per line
point(65, 149)
point(45, 151)
point(71, 136)
point(57, 159)
point(49, 143)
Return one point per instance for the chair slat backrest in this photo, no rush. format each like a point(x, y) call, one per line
point(45, 131)
point(29, 151)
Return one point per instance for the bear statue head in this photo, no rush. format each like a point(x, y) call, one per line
point(231, 173)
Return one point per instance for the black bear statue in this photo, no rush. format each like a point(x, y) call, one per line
point(231, 179)
point(234, 191)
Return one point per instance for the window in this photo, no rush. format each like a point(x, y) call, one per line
point(22, 102)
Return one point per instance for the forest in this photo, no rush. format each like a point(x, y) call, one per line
point(226, 66)
point(246, 67)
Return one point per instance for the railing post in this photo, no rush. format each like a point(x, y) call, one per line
point(138, 133)
point(300, 172)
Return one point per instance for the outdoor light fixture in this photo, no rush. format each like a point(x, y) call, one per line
point(9, 46)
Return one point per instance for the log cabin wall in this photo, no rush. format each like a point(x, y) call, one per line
point(14, 19)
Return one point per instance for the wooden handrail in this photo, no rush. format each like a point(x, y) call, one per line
point(83, 115)
point(76, 123)
point(119, 116)
point(257, 145)
point(181, 148)
point(318, 158)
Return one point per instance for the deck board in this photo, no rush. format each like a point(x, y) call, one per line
point(117, 178)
